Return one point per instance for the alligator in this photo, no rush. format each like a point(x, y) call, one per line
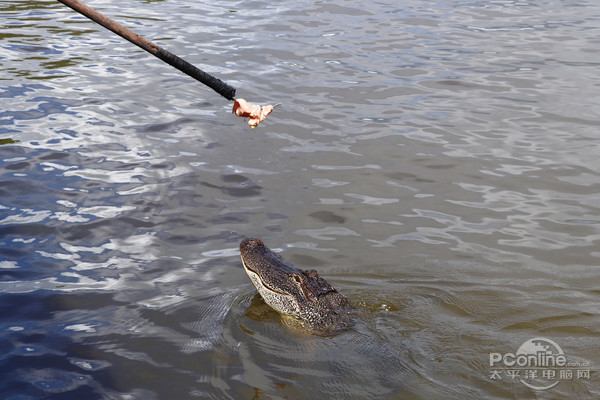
point(302, 294)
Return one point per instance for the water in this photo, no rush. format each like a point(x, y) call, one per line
point(437, 162)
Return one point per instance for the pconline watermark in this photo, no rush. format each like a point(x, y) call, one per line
point(538, 359)
point(539, 363)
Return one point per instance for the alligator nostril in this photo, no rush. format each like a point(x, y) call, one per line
point(255, 243)
point(251, 243)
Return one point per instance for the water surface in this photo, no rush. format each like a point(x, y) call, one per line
point(437, 162)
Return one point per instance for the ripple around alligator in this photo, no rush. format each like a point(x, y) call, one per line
point(436, 162)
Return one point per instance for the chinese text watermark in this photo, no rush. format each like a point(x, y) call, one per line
point(539, 363)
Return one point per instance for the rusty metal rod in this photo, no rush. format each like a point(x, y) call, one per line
point(214, 83)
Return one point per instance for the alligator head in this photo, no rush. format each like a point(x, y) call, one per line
point(302, 294)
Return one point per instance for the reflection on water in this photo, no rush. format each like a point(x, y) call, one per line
point(435, 161)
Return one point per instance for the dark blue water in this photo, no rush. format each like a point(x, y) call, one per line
point(437, 162)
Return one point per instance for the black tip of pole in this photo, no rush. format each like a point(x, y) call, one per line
point(228, 93)
point(214, 83)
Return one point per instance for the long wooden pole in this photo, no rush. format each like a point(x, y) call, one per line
point(214, 83)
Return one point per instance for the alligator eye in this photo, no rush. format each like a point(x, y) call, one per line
point(297, 278)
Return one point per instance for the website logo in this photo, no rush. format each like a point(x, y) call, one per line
point(539, 363)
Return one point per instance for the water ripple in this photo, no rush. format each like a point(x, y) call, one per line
point(436, 161)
